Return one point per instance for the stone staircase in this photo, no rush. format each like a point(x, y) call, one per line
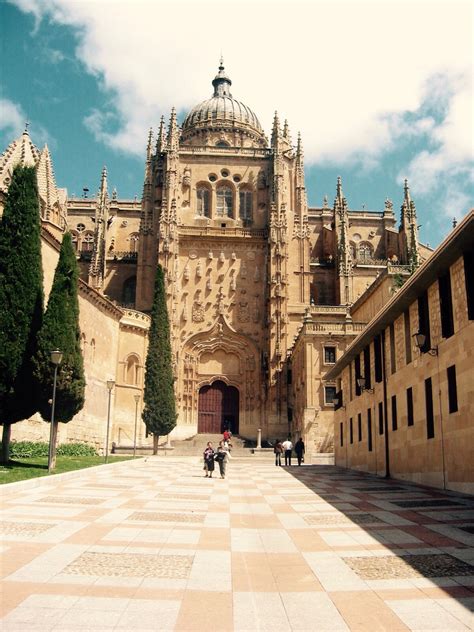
point(194, 446)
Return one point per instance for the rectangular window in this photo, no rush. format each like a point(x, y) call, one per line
point(329, 355)
point(245, 206)
point(446, 305)
point(452, 389)
point(357, 373)
point(367, 366)
point(394, 413)
point(410, 418)
point(359, 426)
point(350, 383)
point(469, 280)
point(424, 321)
point(369, 429)
point(329, 394)
point(393, 358)
point(406, 318)
point(378, 358)
point(341, 432)
point(380, 418)
point(429, 409)
point(351, 431)
point(338, 400)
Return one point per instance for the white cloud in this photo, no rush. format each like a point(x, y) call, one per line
point(12, 119)
point(445, 166)
point(12, 124)
point(345, 73)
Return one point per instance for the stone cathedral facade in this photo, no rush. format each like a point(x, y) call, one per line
point(264, 293)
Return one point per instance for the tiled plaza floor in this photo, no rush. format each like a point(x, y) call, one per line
point(153, 545)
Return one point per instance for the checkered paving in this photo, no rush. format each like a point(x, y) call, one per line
point(154, 545)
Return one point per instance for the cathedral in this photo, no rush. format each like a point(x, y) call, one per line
point(264, 292)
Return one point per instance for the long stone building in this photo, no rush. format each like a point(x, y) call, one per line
point(264, 293)
point(405, 386)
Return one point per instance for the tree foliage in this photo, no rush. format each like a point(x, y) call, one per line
point(21, 298)
point(61, 331)
point(159, 412)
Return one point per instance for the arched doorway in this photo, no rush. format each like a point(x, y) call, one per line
point(218, 408)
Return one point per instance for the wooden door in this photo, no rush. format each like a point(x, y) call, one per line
point(218, 408)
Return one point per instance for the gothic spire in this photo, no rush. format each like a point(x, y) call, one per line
point(97, 265)
point(149, 150)
point(161, 138)
point(276, 132)
point(173, 132)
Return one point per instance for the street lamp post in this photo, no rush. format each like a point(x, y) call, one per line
point(56, 357)
point(137, 399)
point(110, 386)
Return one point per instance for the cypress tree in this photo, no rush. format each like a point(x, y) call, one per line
point(61, 331)
point(159, 413)
point(21, 300)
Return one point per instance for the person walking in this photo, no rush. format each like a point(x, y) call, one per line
point(299, 450)
point(221, 458)
point(287, 447)
point(277, 450)
point(209, 459)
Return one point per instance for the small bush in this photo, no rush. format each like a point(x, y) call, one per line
point(33, 449)
point(76, 449)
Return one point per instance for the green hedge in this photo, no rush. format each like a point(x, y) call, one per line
point(30, 449)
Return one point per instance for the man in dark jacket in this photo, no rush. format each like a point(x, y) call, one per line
point(299, 449)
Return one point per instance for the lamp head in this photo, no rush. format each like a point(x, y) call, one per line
point(56, 357)
point(136, 398)
point(420, 340)
point(110, 384)
point(361, 383)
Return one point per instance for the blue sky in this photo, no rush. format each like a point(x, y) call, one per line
point(380, 91)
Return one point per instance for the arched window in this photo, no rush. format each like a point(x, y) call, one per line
point(352, 250)
point(246, 206)
point(132, 370)
point(87, 244)
point(133, 239)
point(225, 202)
point(365, 252)
point(128, 291)
point(74, 238)
point(222, 143)
point(203, 206)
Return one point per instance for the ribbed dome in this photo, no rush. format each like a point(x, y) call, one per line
point(221, 110)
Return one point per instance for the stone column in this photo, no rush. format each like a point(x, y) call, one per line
point(259, 439)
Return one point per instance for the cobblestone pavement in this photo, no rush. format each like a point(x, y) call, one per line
point(154, 545)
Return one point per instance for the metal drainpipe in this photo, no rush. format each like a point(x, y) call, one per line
point(385, 416)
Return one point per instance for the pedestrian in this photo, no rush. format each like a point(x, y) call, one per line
point(221, 458)
point(287, 447)
point(299, 449)
point(209, 459)
point(277, 450)
point(226, 435)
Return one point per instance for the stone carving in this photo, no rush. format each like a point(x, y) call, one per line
point(186, 272)
point(187, 178)
point(256, 311)
point(221, 257)
point(198, 310)
point(243, 270)
point(243, 313)
point(256, 276)
point(199, 270)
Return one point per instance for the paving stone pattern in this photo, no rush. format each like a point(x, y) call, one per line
point(131, 565)
point(391, 567)
point(160, 547)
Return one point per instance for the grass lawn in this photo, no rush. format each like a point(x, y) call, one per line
point(21, 469)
